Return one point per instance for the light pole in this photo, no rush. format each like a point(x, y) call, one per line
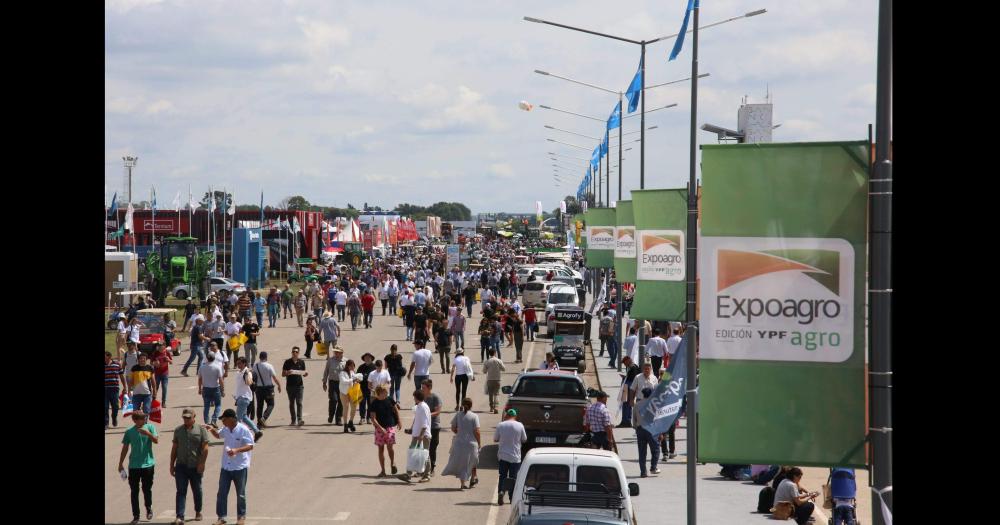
point(129, 164)
point(620, 100)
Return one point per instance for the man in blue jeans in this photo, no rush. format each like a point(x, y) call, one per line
point(244, 396)
point(187, 463)
point(510, 435)
point(198, 339)
point(211, 387)
point(237, 444)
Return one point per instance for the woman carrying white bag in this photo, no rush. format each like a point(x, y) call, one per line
point(417, 456)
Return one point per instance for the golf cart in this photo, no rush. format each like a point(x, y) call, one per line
point(128, 297)
point(572, 332)
point(152, 333)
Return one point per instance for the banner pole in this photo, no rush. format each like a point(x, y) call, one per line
point(692, 275)
point(880, 269)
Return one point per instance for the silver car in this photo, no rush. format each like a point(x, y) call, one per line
point(562, 295)
point(182, 291)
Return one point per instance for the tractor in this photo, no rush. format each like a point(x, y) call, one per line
point(353, 253)
point(178, 261)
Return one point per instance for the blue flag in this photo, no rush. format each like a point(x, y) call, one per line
point(615, 120)
point(679, 43)
point(635, 89)
point(658, 412)
point(604, 145)
point(113, 212)
point(153, 204)
point(595, 157)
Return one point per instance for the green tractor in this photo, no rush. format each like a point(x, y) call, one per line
point(178, 261)
point(353, 253)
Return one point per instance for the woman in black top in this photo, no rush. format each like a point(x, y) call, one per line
point(394, 364)
point(408, 314)
point(442, 338)
point(516, 325)
point(385, 417)
point(366, 368)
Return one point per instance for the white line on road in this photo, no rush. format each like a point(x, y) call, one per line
point(492, 518)
point(340, 516)
point(531, 352)
point(166, 514)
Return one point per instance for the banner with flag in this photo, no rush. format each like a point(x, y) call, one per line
point(562, 206)
point(595, 158)
point(660, 234)
point(635, 89)
point(624, 242)
point(538, 212)
point(783, 225)
point(194, 205)
point(604, 144)
point(177, 201)
point(679, 43)
point(615, 120)
point(128, 218)
point(232, 206)
point(211, 201)
point(600, 238)
point(658, 412)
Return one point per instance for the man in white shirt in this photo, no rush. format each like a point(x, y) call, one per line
point(237, 444)
point(656, 347)
point(632, 346)
point(265, 381)
point(672, 344)
point(641, 385)
point(244, 395)
point(379, 377)
point(420, 363)
point(421, 433)
point(341, 305)
point(210, 386)
point(233, 328)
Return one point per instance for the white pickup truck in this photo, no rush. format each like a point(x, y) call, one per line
point(557, 485)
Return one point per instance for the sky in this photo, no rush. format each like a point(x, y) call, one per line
point(389, 101)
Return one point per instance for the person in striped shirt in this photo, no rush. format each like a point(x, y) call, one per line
point(113, 376)
point(598, 422)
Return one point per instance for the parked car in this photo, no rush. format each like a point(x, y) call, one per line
point(550, 404)
point(535, 293)
point(560, 485)
point(558, 296)
point(182, 291)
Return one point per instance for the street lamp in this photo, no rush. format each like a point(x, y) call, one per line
point(572, 132)
point(642, 44)
point(130, 162)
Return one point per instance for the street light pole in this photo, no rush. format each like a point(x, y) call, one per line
point(692, 272)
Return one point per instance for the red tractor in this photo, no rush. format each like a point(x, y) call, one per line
point(152, 333)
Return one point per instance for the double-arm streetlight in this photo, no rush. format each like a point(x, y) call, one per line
point(642, 44)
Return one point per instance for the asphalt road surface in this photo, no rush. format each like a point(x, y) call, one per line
point(316, 474)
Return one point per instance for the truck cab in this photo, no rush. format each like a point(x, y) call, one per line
point(551, 405)
point(571, 485)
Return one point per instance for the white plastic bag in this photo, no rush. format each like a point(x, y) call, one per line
point(416, 458)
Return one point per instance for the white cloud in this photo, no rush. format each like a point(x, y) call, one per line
point(502, 170)
point(124, 6)
point(123, 105)
point(466, 112)
point(322, 37)
point(159, 106)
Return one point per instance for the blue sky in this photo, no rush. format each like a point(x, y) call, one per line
point(387, 101)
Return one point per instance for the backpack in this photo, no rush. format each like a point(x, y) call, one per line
point(765, 500)
point(606, 326)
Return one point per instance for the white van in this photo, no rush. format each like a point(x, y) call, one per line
point(561, 482)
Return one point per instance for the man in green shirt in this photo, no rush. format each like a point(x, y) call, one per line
point(187, 462)
point(141, 437)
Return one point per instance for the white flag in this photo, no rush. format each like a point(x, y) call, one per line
point(191, 202)
point(177, 201)
point(562, 206)
point(211, 200)
point(128, 218)
point(232, 207)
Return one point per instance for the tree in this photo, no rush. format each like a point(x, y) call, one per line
point(572, 207)
point(220, 197)
point(295, 203)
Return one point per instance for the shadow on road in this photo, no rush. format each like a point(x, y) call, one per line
point(351, 476)
point(475, 504)
point(488, 457)
point(439, 489)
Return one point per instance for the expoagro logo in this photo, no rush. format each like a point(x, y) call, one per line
point(625, 242)
point(778, 299)
point(602, 238)
point(661, 257)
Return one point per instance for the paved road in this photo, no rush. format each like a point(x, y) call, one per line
point(315, 473)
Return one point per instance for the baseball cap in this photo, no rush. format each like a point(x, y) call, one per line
point(187, 412)
point(229, 413)
point(511, 412)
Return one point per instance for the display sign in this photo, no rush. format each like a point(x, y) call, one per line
point(660, 255)
point(660, 282)
point(569, 315)
point(454, 257)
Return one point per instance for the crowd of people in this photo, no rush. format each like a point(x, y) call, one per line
point(434, 304)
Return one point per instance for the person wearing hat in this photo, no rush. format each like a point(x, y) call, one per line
point(140, 438)
point(300, 307)
point(510, 435)
point(294, 369)
point(216, 331)
point(187, 462)
point(597, 421)
point(331, 383)
point(238, 442)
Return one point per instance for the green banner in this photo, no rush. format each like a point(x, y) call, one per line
point(579, 230)
point(660, 237)
point(782, 266)
point(624, 242)
point(600, 238)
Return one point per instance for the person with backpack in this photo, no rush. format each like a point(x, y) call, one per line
point(265, 380)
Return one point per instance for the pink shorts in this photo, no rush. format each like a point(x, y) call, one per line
point(388, 437)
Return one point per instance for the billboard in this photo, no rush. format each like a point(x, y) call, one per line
point(782, 263)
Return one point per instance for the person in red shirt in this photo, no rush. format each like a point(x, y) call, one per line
point(368, 306)
point(529, 321)
point(161, 368)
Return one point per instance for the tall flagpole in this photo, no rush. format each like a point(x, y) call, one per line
point(225, 211)
point(692, 272)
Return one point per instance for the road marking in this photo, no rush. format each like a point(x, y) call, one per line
point(531, 352)
point(166, 514)
point(340, 516)
point(492, 518)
